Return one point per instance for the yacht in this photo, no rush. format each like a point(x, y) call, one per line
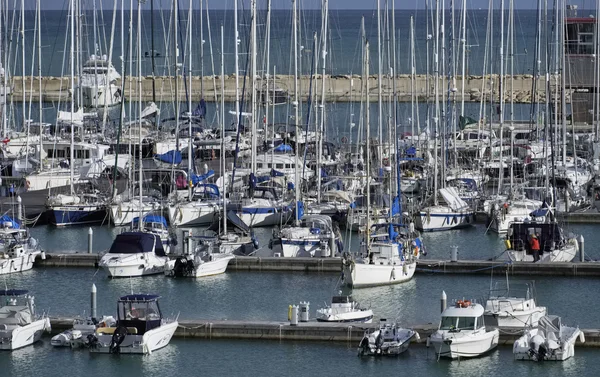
point(19, 324)
point(389, 340)
point(387, 258)
point(344, 309)
point(549, 340)
point(315, 236)
point(140, 328)
point(450, 212)
point(504, 308)
point(554, 245)
point(98, 83)
point(462, 332)
point(135, 254)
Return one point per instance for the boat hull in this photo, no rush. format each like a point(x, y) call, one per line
point(16, 337)
point(193, 216)
point(436, 222)
point(125, 266)
point(464, 345)
point(77, 215)
point(151, 341)
point(361, 275)
point(18, 264)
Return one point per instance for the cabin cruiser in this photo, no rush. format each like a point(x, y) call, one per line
point(134, 254)
point(344, 309)
point(387, 258)
point(315, 236)
point(140, 328)
point(462, 332)
point(19, 324)
point(98, 83)
point(389, 340)
point(549, 340)
point(554, 245)
point(450, 212)
point(504, 308)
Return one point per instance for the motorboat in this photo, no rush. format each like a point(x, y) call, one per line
point(554, 245)
point(98, 83)
point(77, 336)
point(505, 309)
point(386, 258)
point(19, 324)
point(135, 254)
point(140, 328)
point(549, 340)
point(314, 236)
point(202, 263)
point(388, 340)
point(344, 309)
point(18, 250)
point(462, 332)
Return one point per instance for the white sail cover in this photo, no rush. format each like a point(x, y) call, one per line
point(67, 116)
point(451, 197)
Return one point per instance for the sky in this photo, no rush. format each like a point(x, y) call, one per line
point(307, 4)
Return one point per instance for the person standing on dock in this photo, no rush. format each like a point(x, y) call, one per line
point(535, 247)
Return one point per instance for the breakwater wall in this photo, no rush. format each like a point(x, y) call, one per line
point(338, 88)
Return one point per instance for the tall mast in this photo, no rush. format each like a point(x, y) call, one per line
point(176, 62)
point(139, 90)
point(202, 50)
point(39, 46)
point(320, 134)
point(501, 101)
point(464, 53)
point(94, 53)
point(379, 86)
point(436, 81)
point(253, 86)
point(237, 67)
point(72, 56)
point(190, 150)
point(222, 154)
point(368, 145)
point(412, 78)
point(23, 62)
point(153, 51)
point(296, 107)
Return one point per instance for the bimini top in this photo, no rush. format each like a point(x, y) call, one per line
point(137, 242)
point(140, 297)
point(13, 292)
point(468, 310)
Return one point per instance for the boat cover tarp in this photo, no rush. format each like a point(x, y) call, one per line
point(195, 178)
point(171, 157)
point(452, 198)
point(207, 190)
point(137, 242)
point(5, 219)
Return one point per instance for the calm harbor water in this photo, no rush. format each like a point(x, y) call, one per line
point(266, 296)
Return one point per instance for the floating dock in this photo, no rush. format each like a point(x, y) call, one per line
point(334, 265)
point(350, 333)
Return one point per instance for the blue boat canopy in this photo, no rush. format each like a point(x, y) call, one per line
point(13, 292)
point(171, 157)
point(137, 242)
point(140, 297)
point(151, 219)
point(5, 219)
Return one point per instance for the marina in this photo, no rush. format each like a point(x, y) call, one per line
point(298, 191)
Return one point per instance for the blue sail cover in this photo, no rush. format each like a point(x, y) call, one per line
point(200, 110)
point(210, 190)
point(300, 210)
point(148, 219)
point(5, 219)
point(283, 148)
point(171, 157)
point(396, 206)
point(195, 178)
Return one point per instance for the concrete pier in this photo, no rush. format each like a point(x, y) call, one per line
point(350, 333)
point(338, 88)
point(334, 265)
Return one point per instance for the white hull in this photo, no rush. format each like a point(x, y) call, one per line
point(565, 254)
point(438, 221)
point(16, 337)
point(151, 341)
point(515, 319)
point(193, 214)
point(101, 96)
point(123, 214)
point(216, 266)
point(131, 265)
point(463, 344)
point(265, 219)
point(365, 316)
point(566, 349)
point(360, 275)
point(18, 264)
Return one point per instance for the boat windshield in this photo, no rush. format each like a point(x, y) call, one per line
point(457, 323)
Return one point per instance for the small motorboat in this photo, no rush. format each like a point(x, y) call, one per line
point(135, 254)
point(388, 340)
point(18, 250)
point(77, 336)
point(140, 328)
point(550, 340)
point(344, 309)
point(504, 308)
point(462, 332)
point(19, 324)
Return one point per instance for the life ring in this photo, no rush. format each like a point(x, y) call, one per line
point(463, 303)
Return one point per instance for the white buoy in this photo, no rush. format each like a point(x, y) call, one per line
point(19, 208)
point(93, 299)
point(443, 301)
point(581, 248)
point(90, 239)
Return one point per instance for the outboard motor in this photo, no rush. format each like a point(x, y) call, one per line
point(117, 338)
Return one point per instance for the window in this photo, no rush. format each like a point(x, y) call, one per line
point(287, 166)
point(465, 323)
point(480, 322)
point(448, 323)
point(279, 166)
